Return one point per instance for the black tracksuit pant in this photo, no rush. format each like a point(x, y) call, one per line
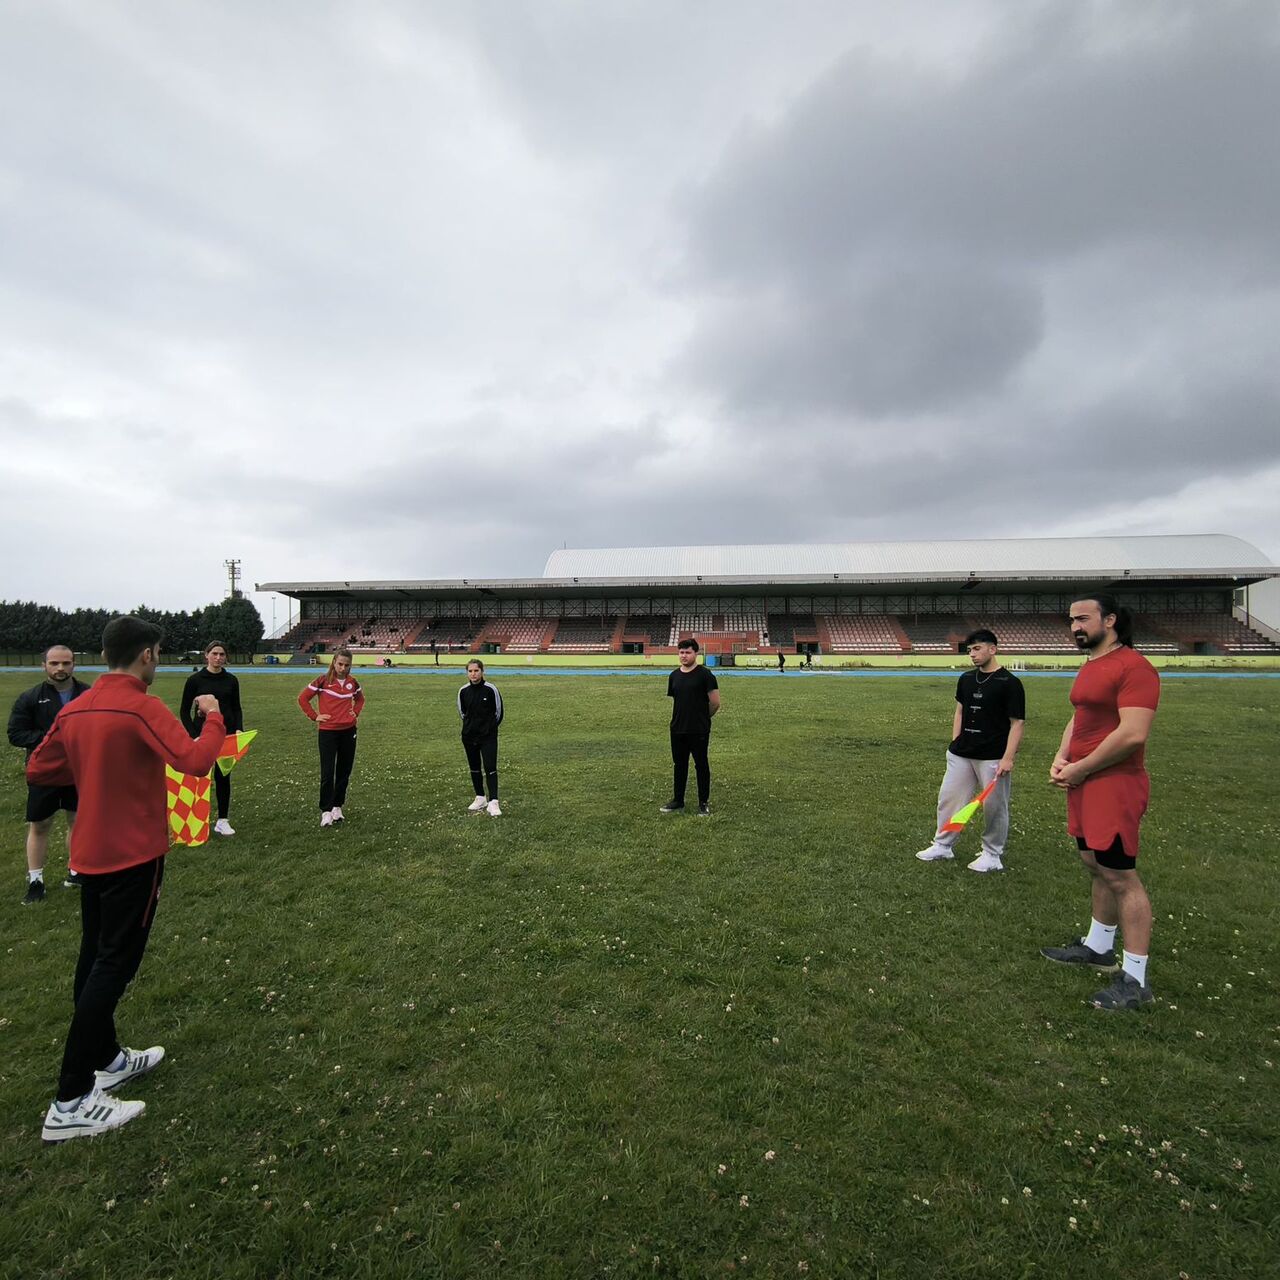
point(483, 755)
point(337, 755)
point(116, 912)
point(684, 745)
point(222, 789)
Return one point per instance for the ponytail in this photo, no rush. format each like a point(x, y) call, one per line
point(340, 652)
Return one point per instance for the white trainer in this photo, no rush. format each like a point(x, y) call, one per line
point(478, 805)
point(326, 818)
point(137, 1062)
point(336, 814)
point(934, 853)
point(95, 1113)
point(223, 828)
point(986, 862)
point(493, 809)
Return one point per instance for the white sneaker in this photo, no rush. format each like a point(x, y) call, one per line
point(986, 862)
point(934, 853)
point(493, 809)
point(478, 805)
point(326, 818)
point(223, 828)
point(95, 1113)
point(336, 814)
point(137, 1062)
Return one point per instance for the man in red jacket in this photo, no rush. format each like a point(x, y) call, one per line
point(113, 743)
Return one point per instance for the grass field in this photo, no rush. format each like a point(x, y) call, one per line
point(584, 1040)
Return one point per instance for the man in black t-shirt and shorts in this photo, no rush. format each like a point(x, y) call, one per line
point(695, 698)
point(991, 710)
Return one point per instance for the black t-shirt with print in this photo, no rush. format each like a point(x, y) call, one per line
point(690, 700)
point(987, 704)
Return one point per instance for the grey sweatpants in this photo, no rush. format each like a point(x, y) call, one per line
point(961, 783)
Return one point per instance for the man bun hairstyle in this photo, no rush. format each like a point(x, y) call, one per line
point(1107, 603)
point(689, 643)
point(983, 635)
point(124, 639)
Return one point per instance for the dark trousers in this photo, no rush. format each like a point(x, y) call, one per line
point(222, 789)
point(116, 911)
point(684, 745)
point(337, 755)
point(483, 754)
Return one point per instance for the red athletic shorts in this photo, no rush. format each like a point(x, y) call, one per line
point(1106, 806)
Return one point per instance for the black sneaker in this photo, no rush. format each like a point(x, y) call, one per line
point(1077, 953)
point(72, 880)
point(35, 893)
point(672, 806)
point(1125, 992)
point(704, 811)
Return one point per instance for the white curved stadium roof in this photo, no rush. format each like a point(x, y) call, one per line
point(1112, 556)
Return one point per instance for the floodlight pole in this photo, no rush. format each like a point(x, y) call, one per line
point(233, 578)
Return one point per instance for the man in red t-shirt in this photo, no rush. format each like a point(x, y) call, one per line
point(112, 744)
point(1100, 765)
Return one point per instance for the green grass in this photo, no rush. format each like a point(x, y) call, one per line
point(564, 1043)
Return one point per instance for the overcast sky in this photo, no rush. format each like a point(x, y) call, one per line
point(409, 289)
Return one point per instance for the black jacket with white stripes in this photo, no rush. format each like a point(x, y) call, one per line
point(480, 706)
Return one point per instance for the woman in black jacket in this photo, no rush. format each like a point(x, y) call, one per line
point(480, 706)
point(214, 678)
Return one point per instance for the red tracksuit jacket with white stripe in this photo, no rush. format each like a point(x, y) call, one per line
point(112, 743)
point(340, 698)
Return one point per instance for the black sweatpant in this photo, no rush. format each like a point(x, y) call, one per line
point(483, 753)
point(222, 789)
point(684, 745)
point(337, 755)
point(116, 911)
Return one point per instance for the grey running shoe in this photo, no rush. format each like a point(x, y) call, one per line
point(1125, 992)
point(35, 893)
point(1077, 953)
point(672, 806)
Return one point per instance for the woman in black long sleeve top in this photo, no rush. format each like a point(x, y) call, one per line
point(217, 680)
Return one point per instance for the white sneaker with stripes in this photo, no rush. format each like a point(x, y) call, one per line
point(95, 1113)
point(137, 1062)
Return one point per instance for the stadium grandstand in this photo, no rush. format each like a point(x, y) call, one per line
point(1189, 594)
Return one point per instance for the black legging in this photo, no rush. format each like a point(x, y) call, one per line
point(483, 753)
point(337, 755)
point(684, 745)
point(222, 789)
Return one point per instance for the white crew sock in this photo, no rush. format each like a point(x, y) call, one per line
point(117, 1062)
point(1135, 967)
point(64, 1107)
point(33, 876)
point(1101, 937)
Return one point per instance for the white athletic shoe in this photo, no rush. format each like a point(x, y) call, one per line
point(493, 809)
point(326, 818)
point(986, 862)
point(137, 1062)
point(934, 853)
point(95, 1113)
point(478, 805)
point(223, 828)
point(336, 814)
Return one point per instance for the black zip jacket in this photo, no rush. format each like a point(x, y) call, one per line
point(224, 686)
point(480, 706)
point(35, 711)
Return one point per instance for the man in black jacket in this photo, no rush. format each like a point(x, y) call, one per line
point(32, 717)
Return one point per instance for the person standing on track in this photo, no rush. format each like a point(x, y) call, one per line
point(481, 709)
point(1101, 766)
point(214, 678)
point(112, 744)
point(340, 702)
point(32, 717)
point(986, 731)
point(695, 698)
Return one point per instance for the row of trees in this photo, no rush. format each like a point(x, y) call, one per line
point(27, 627)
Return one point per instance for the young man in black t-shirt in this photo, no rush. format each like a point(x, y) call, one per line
point(991, 710)
point(695, 698)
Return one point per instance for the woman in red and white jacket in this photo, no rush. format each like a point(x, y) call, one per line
point(340, 701)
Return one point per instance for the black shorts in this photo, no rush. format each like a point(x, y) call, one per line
point(44, 802)
point(1114, 858)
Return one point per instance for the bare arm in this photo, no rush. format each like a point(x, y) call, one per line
point(713, 699)
point(957, 722)
point(1011, 748)
point(1131, 733)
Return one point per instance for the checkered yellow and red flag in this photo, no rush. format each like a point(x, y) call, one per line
point(234, 747)
point(189, 808)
